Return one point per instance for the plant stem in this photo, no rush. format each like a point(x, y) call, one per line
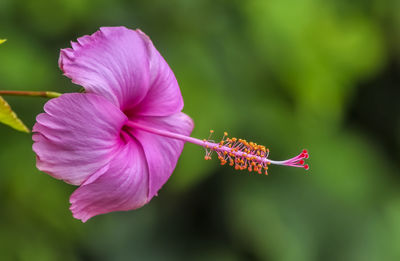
point(31, 93)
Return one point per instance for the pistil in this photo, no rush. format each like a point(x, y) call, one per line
point(239, 153)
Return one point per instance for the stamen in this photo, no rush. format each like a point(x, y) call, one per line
point(250, 156)
point(207, 148)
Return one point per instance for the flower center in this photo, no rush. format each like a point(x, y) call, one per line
point(125, 134)
point(130, 113)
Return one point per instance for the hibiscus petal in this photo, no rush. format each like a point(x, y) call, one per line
point(164, 96)
point(123, 185)
point(123, 66)
point(162, 153)
point(76, 136)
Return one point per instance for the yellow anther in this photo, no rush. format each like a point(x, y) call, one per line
point(248, 155)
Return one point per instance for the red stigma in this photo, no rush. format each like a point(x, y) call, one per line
point(298, 161)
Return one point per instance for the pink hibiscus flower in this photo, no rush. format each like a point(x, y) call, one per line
point(85, 138)
point(120, 141)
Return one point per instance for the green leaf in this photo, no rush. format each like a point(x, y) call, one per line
point(2, 41)
point(8, 117)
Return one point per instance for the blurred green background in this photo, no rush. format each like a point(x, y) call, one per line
point(321, 75)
